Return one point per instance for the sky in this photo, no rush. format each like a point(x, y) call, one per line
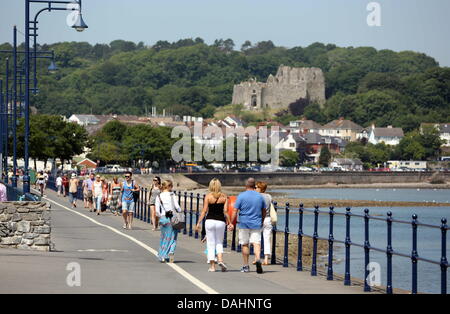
point(418, 25)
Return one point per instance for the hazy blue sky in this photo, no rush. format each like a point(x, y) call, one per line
point(417, 25)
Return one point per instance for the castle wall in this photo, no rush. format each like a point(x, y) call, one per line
point(288, 86)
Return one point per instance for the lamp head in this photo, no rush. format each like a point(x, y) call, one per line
point(79, 23)
point(52, 68)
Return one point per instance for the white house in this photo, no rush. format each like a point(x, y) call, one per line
point(389, 136)
point(407, 164)
point(305, 126)
point(344, 129)
point(444, 130)
point(84, 119)
point(289, 141)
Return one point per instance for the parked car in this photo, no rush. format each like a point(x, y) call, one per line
point(305, 169)
point(199, 169)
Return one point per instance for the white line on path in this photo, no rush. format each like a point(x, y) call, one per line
point(175, 267)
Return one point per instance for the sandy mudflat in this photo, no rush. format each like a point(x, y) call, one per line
point(282, 199)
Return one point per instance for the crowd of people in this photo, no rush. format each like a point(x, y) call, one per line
point(251, 212)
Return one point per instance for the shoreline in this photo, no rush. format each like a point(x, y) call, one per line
point(282, 198)
point(423, 185)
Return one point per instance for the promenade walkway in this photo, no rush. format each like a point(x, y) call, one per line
point(114, 260)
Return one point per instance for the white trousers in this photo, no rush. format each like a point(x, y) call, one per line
point(215, 231)
point(267, 234)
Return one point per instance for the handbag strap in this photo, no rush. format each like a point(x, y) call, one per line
point(160, 200)
point(173, 203)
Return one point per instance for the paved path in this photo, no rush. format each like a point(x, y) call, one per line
point(114, 260)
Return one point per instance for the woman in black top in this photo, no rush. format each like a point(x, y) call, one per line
point(215, 211)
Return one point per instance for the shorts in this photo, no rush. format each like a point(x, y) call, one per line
point(247, 236)
point(128, 206)
point(72, 197)
point(88, 196)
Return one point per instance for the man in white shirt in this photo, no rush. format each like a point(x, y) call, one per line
point(59, 185)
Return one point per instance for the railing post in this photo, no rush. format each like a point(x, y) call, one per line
point(366, 251)
point(300, 239)
point(146, 209)
point(444, 262)
point(225, 238)
point(315, 241)
point(389, 252)
point(233, 240)
point(239, 247)
point(191, 213)
point(330, 246)
point(185, 213)
point(197, 213)
point(261, 253)
point(273, 259)
point(414, 255)
point(141, 203)
point(286, 239)
point(348, 244)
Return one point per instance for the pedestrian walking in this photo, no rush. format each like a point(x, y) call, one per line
point(98, 194)
point(261, 187)
point(46, 177)
point(154, 193)
point(58, 183)
point(166, 204)
point(114, 196)
point(3, 192)
point(215, 211)
point(65, 184)
point(128, 200)
point(73, 190)
point(40, 182)
point(88, 193)
point(105, 194)
point(251, 208)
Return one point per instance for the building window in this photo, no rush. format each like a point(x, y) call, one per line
point(254, 101)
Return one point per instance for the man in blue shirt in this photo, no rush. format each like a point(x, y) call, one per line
point(252, 211)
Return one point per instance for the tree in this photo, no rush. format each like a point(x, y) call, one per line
point(51, 137)
point(289, 158)
point(325, 156)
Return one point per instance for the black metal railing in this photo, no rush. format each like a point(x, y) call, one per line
point(366, 245)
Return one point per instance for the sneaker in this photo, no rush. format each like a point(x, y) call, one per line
point(259, 268)
point(223, 266)
point(245, 269)
point(125, 226)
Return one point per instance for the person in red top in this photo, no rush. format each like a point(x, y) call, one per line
point(65, 184)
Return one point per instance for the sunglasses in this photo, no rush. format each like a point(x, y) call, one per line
point(127, 177)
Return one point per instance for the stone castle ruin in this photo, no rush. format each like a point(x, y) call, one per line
point(287, 87)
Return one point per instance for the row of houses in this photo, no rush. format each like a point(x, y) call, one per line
point(306, 137)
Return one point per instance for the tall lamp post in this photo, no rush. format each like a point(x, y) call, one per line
point(15, 96)
point(79, 25)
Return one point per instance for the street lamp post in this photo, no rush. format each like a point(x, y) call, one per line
point(79, 25)
point(1, 124)
point(5, 119)
point(14, 122)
